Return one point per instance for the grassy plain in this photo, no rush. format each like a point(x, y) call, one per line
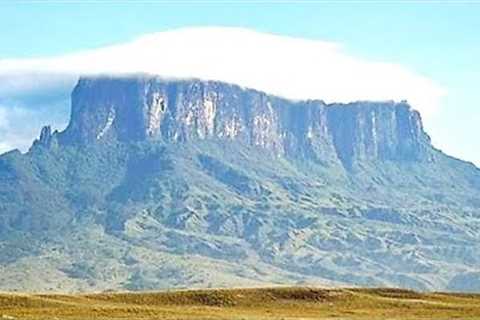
point(245, 304)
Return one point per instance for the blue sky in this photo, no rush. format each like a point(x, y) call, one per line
point(436, 39)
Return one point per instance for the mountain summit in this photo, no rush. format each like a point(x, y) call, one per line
point(185, 183)
point(106, 110)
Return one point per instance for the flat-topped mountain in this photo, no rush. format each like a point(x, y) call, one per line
point(185, 183)
point(152, 109)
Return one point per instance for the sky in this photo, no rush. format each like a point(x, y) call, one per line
point(427, 51)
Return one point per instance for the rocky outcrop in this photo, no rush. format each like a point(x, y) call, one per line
point(47, 137)
point(148, 108)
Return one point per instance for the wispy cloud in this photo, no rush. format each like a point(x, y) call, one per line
point(19, 125)
point(290, 67)
point(10, 133)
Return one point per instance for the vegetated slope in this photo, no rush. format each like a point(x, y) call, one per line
point(160, 184)
point(265, 303)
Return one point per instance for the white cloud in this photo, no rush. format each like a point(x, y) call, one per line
point(19, 84)
point(3, 118)
point(19, 126)
point(10, 134)
point(6, 128)
point(4, 147)
point(290, 67)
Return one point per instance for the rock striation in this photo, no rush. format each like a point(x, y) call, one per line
point(150, 108)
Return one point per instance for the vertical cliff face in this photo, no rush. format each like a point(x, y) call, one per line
point(386, 130)
point(148, 108)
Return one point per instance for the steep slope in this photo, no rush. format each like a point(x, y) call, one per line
point(158, 183)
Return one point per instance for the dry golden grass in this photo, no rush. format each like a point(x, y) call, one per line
point(255, 304)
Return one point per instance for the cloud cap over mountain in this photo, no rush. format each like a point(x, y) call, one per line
point(290, 67)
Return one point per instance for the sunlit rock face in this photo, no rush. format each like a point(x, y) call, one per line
point(150, 108)
point(386, 130)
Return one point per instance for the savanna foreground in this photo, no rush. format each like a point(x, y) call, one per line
point(275, 303)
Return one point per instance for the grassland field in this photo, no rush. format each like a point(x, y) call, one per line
point(245, 304)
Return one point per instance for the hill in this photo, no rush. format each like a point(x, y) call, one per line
point(193, 184)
